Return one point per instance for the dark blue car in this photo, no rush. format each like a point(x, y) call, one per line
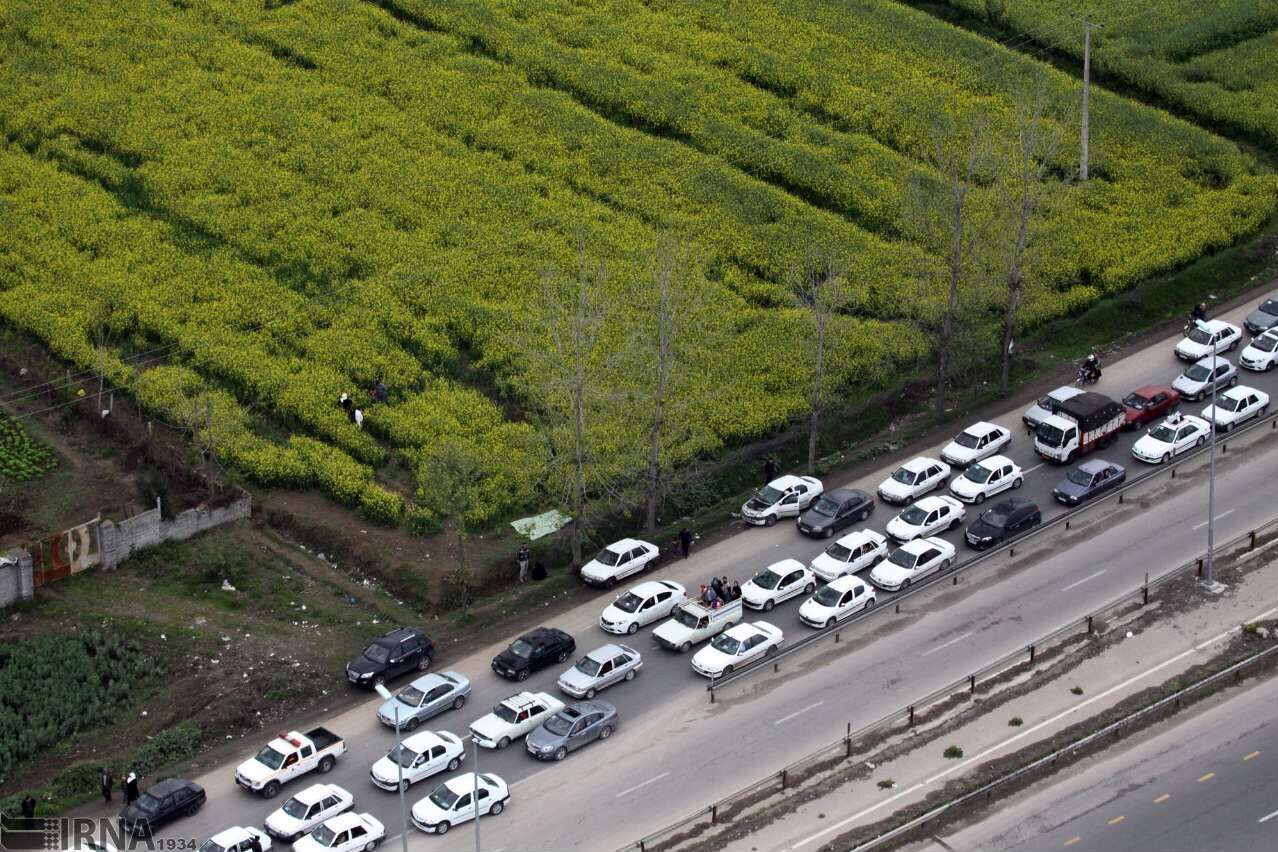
point(1092, 477)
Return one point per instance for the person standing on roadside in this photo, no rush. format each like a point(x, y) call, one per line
point(685, 541)
point(108, 783)
point(770, 469)
point(131, 793)
point(28, 812)
point(523, 557)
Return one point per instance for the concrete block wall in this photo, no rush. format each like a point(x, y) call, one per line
point(15, 577)
point(121, 540)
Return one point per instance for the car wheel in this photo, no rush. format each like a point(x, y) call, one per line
point(270, 790)
point(947, 565)
point(522, 675)
point(829, 622)
point(685, 647)
point(503, 742)
point(423, 664)
point(590, 694)
point(905, 585)
point(379, 680)
point(727, 670)
point(454, 764)
point(563, 655)
point(1233, 380)
point(770, 521)
point(980, 497)
point(606, 732)
point(865, 513)
point(630, 675)
point(829, 532)
point(772, 649)
point(809, 588)
point(954, 523)
point(767, 605)
point(561, 753)
point(1225, 427)
point(869, 603)
point(370, 846)
point(192, 810)
point(497, 808)
point(1017, 482)
point(1201, 440)
point(459, 702)
point(404, 785)
point(610, 582)
point(633, 628)
point(1166, 458)
point(326, 765)
point(442, 828)
point(411, 724)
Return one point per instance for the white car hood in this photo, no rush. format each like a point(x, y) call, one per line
point(896, 490)
point(307, 844)
point(428, 812)
point(960, 453)
point(615, 615)
point(753, 593)
point(387, 770)
point(898, 528)
point(596, 570)
point(1184, 383)
point(1193, 350)
point(254, 771)
point(890, 574)
point(826, 566)
point(1151, 446)
point(816, 611)
point(491, 727)
point(966, 487)
point(673, 632)
point(285, 824)
point(713, 660)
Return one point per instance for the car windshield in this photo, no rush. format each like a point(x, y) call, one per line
point(210, 846)
point(839, 552)
point(607, 557)
point(295, 808)
point(1199, 336)
point(412, 696)
point(686, 618)
point(149, 803)
point(629, 602)
point(588, 666)
point(1078, 476)
point(323, 835)
point(269, 756)
point(1265, 343)
point(826, 506)
point(914, 516)
point(767, 579)
point(769, 495)
point(402, 755)
point(444, 798)
point(1270, 306)
point(726, 644)
point(377, 653)
point(995, 517)
point(902, 557)
point(1163, 432)
point(827, 596)
point(903, 476)
point(520, 648)
point(1049, 435)
point(978, 473)
point(559, 724)
point(1046, 403)
point(1198, 373)
point(501, 711)
point(1136, 401)
point(967, 439)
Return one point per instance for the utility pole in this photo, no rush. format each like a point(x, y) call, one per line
point(1087, 85)
point(387, 695)
point(1209, 577)
point(474, 793)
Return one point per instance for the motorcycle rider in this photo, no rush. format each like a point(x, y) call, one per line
point(1198, 314)
point(1091, 369)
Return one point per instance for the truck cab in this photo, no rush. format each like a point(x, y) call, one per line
point(290, 755)
point(1080, 424)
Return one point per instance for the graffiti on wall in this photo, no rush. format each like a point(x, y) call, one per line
point(66, 553)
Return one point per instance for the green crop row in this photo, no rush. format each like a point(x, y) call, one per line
point(21, 457)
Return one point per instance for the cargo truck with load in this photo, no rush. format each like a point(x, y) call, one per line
point(1079, 425)
point(693, 622)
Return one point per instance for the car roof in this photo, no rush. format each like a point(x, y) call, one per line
point(1216, 324)
point(626, 544)
point(315, 792)
point(1013, 503)
point(1206, 360)
point(1148, 391)
point(341, 822)
point(847, 581)
point(982, 427)
point(917, 545)
point(1096, 465)
point(591, 706)
point(787, 480)
point(785, 565)
point(932, 501)
point(919, 463)
point(521, 699)
point(1182, 419)
point(991, 461)
point(847, 494)
point(167, 786)
point(1064, 392)
point(432, 679)
point(543, 635)
point(606, 652)
point(649, 588)
point(465, 783)
point(742, 630)
point(423, 740)
point(1238, 391)
point(857, 538)
point(230, 836)
point(397, 635)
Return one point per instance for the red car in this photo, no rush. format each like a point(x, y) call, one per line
point(1149, 403)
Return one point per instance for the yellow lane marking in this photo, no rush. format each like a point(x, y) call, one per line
point(1254, 754)
point(1164, 797)
point(1072, 841)
point(1207, 777)
point(1116, 820)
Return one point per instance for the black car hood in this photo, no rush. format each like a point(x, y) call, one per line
point(1072, 489)
point(510, 661)
point(363, 665)
point(981, 529)
point(813, 518)
point(134, 813)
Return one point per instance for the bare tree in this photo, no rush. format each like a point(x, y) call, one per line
point(455, 470)
point(1037, 142)
point(820, 289)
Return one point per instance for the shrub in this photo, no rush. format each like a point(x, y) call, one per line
point(953, 752)
point(1077, 690)
point(1016, 721)
point(887, 784)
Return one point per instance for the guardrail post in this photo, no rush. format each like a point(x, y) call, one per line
point(712, 693)
point(776, 667)
point(1173, 476)
point(785, 777)
point(642, 848)
point(955, 583)
point(1224, 448)
point(898, 609)
point(1144, 590)
point(847, 738)
point(911, 715)
point(1031, 653)
point(971, 683)
point(836, 637)
point(1011, 551)
point(1200, 568)
point(1120, 499)
point(714, 814)
point(1089, 625)
point(1253, 540)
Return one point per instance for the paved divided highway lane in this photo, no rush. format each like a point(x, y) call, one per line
point(1206, 782)
point(675, 752)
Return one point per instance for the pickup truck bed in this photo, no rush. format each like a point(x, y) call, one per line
point(323, 738)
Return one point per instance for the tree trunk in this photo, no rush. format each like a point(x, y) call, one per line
point(955, 262)
point(657, 428)
point(818, 379)
point(579, 473)
point(463, 572)
point(1015, 285)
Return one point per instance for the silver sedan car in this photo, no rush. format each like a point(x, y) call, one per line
point(600, 668)
point(425, 697)
point(571, 728)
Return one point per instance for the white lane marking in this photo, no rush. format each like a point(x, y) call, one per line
point(871, 809)
point(393, 839)
point(784, 719)
point(642, 785)
point(1032, 469)
point(1084, 580)
point(1267, 817)
point(514, 784)
point(1218, 517)
point(945, 645)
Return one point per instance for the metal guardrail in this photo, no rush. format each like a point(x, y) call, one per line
point(723, 809)
point(1008, 548)
point(986, 789)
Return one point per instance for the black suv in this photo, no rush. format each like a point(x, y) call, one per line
point(402, 650)
point(835, 510)
point(162, 802)
point(1003, 521)
point(534, 650)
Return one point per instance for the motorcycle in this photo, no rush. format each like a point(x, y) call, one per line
point(1086, 376)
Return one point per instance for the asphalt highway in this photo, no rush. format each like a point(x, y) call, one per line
point(1207, 782)
point(675, 752)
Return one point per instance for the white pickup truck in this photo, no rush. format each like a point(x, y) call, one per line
point(288, 756)
point(693, 623)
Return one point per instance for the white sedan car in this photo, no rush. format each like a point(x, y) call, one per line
point(236, 839)
point(737, 646)
point(784, 497)
point(307, 809)
point(776, 583)
point(987, 478)
point(837, 600)
point(513, 718)
point(617, 560)
point(913, 479)
point(1175, 435)
point(452, 802)
point(1262, 353)
point(912, 561)
point(348, 832)
point(976, 442)
point(644, 604)
point(854, 552)
point(421, 756)
point(1197, 380)
point(1206, 337)
point(929, 515)
point(1236, 405)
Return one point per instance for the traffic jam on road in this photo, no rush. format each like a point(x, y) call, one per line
point(986, 487)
